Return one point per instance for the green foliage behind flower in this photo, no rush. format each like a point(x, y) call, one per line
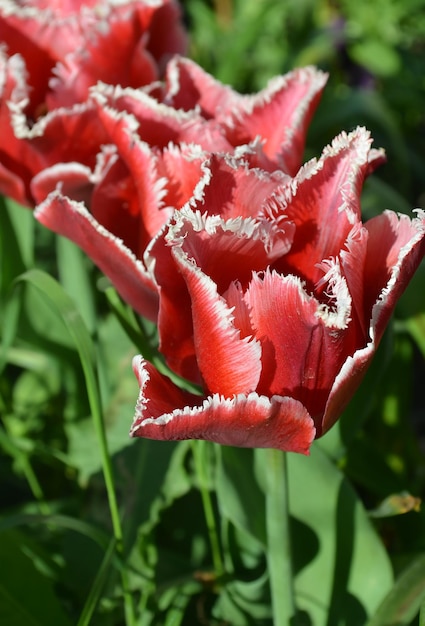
point(373, 51)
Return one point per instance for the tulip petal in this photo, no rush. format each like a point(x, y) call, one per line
point(175, 328)
point(81, 135)
point(17, 159)
point(302, 343)
point(353, 259)
point(73, 44)
point(326, 192)
point(71, 179)
point(82, 67)
point(129, 201)
point(206, 241)
point(232, 189)
point(229, 364)
point(243, 420)
point(396, 246)
point(189, 87)
point(127, 274)
point(159, 124)
point(280, 115)
point(182, 169)
point(148, 181)
point(158, 394)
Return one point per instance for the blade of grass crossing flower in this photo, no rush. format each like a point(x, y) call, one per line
point(70, 315)
point(11, 259)
point(74, 276)
point(405, 599)
point(98, 584)
point(125, 316)
point(11, 313)
point(25, 229)
point(279, 558)
point(137, 333)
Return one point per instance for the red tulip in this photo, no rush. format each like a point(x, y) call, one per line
point(154, 159)
point(53, 52)
point(276, 313)
point(278, 116)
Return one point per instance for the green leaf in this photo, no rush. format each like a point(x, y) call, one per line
point(74, 277)
point(25, 228)
point(52, 291)
point(376, 56)
point(27, 597)
point(97, 587)
point(240, 498)
point(244, 603)
point(404, 600)
point(11, 255)
point(341, 582)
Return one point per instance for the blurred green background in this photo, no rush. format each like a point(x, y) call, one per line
point(374, 53)
point(54, 513)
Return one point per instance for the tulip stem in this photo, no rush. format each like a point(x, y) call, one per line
point(278, 539)
point(199, 449)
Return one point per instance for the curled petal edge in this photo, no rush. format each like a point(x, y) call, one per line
point(354, 368)
point(127, 273)
point(248, 420)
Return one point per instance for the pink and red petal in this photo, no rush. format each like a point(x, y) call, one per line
point(166, 34)
point(125, 271)
point(159, 124)
point(80, 131)
point(244, 420)
point(303, 345)
point(71, 179)
point(396, 246)
point(232, 189)
point(280, 115)
point(175, 328)
point(353, 259)
point(189, 87)
point(130, 64)
point(158, 394)
point(228, 363)
point(65, 45)
point(182, 168)
point(209, 241)
point(18, 159)
point(129, 200)
point(324, 204)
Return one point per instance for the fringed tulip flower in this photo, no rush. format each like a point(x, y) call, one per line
point(277, 313)
point(278, 115)
point(52, 53)
point(153, 158)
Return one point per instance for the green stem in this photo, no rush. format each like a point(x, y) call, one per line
point(198, 448)
point(278, 539)
point(66, 308)
point(95, 405)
